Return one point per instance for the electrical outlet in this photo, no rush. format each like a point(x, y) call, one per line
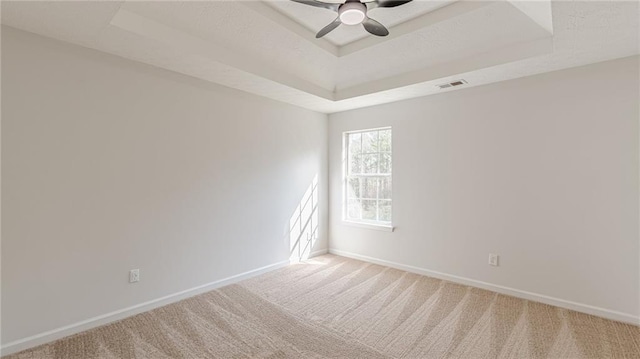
point(134, 275)
point(493, 259)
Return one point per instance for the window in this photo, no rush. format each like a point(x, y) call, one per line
point(367, 186)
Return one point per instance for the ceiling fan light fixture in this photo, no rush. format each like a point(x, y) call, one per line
point(352, 13)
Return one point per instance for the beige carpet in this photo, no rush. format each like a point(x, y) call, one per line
point(334, 307)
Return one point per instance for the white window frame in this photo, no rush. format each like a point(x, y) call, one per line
point(369, 224)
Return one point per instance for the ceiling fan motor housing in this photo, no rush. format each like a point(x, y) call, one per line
point(352, 12)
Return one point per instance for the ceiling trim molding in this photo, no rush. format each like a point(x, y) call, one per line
point(148, 28)
point(493, 58)
point(140, 25)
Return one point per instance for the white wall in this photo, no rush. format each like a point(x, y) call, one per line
point(110, 165)
point(542, 170)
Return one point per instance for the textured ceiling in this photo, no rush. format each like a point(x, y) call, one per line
point(269, 48)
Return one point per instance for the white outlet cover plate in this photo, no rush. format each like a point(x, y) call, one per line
point(134, 275)
point(493, 259)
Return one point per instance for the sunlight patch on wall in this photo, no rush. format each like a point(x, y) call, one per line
point(303, 225)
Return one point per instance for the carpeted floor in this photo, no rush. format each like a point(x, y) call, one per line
point(334, 307)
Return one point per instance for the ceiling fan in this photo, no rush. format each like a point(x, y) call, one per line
point(354, 12)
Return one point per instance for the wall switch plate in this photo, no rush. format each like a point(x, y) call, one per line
point(134, 275)
point(493, 259)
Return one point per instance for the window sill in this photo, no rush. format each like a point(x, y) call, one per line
point(377, 227)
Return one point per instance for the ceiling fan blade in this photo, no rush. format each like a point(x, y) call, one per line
point(320, 4)
point(327, 29)
point(391, 3)
point(375, 28)
point(385, 3)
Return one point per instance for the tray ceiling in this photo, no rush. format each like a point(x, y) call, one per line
point(269, 48)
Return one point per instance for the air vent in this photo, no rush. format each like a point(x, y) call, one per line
point(452, 84)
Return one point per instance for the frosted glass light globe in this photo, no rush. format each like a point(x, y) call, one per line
point(352, 13)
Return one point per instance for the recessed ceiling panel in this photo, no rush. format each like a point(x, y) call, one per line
point(495, 26)
point(231, 26)
point(316, 18)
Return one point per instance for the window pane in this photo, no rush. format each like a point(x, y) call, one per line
point(384, 211)
point(369, 188)
point(385, 163)
point(355, 164)
point(385, 188)
point(354, 142)
point(370, 142)
point(353, 188)
point(353, 209)
point(385, 141)
point(369, 210)
point(370, 163)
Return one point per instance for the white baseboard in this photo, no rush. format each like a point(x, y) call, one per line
point(578, 307)
point(318, 253)
point(51, 335)
point(311, 255)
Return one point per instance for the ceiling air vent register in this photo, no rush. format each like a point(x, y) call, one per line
point(452, 84)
